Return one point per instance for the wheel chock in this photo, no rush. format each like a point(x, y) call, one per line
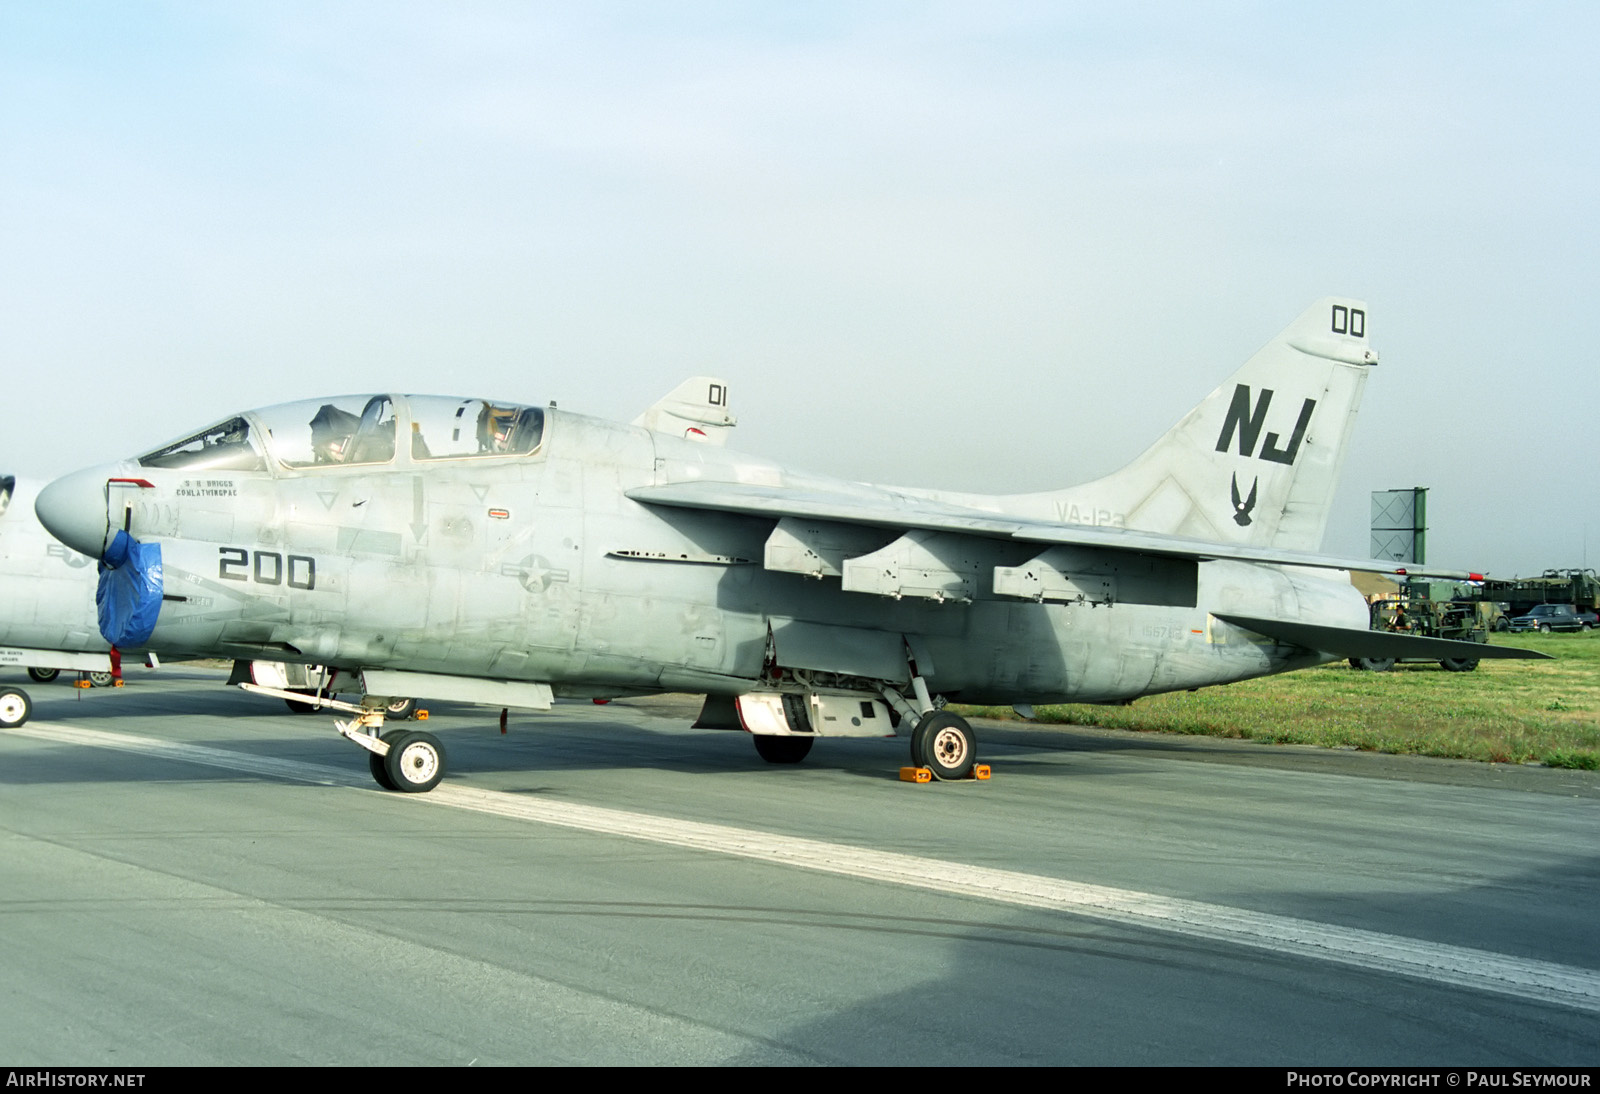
point(980, 772)
point(420, 716)
point(82, 684)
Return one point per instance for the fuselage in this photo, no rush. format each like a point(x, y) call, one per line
point(535, 565)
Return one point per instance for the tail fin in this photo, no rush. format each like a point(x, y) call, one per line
point(696, 409)
point(1256, 462)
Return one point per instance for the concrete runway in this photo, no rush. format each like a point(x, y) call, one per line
point(192, 875)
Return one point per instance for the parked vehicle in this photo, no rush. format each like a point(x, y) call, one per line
point(1412, 611)
point(1545, 618)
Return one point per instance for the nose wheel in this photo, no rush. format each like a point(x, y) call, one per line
point(15, 706)
point(414, 763)
point(407, 761)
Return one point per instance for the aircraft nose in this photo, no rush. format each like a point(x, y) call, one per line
point(73, 509)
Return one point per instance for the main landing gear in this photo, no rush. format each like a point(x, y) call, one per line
point(944, 744)
point(786, 716)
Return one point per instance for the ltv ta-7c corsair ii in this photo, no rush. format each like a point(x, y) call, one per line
point(476, 550)
point(47, 609)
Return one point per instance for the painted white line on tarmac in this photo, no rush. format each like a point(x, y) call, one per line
point(1479, 970)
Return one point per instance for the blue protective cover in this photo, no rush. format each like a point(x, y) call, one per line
point(129, 594)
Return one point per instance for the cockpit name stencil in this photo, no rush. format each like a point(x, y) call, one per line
point(207, 488)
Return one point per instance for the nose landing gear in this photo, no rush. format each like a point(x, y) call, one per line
point(15, 706)
point(408, 761)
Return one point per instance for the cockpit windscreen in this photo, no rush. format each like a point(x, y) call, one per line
point(226, 446)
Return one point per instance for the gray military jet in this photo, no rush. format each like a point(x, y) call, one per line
point(470, 549)
point(47, 610)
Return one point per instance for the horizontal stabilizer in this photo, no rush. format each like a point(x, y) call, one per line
point(1356, 642)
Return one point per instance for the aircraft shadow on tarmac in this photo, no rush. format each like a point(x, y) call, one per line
point(578, 736)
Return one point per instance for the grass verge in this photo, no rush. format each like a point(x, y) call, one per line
point(1505, 712)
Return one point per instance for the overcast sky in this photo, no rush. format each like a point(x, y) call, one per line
point(991, 247)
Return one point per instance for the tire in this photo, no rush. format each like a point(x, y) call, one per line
point(380, 773)
point(399, 709)
point(415, 762)
point(945, 744)
point(782, 750)
point(1372, 664)
point(1460, 664)
point(15, 706)
point(43, 676)
point(299, 707)
point(1544, 628)
point(100, 679)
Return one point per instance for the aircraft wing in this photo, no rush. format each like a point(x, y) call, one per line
point(886, 508)
point(1360, 642)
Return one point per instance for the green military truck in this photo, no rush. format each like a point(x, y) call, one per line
point(1430, 609)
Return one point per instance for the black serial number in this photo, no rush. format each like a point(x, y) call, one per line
point(267, 568)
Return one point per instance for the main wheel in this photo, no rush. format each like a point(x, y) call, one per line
point(301, 708)
point(15, 707)
point(945, 744)
point(44, 676)
point(100, 679)
point(782, 750)
point(1459, 664)
point(399, 709)
point(415, 762)
point(1372, 664)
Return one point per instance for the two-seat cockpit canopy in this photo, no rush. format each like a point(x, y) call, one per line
point(356, 430)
